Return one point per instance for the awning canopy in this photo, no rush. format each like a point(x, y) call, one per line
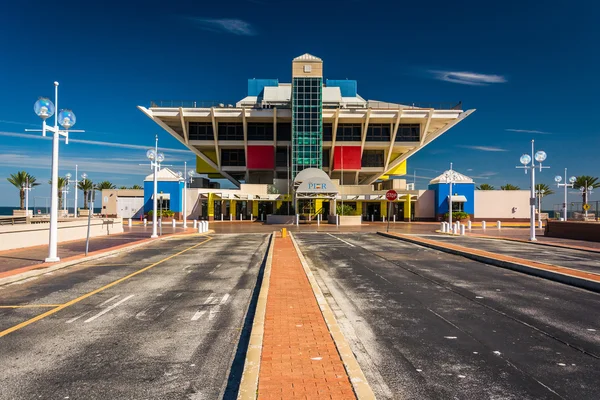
point(459, 199)
point(162, 196)
point(313, 183)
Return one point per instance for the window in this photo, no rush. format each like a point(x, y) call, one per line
point(378, 133)
point(372, 158)
point(326, 157)
point(408, 133)
point(231, 131)
point(284, 131)
point(260, 131)
point(456, 206)
point(327, 132)
point(281, 157)
point(233, 158)
point(349, 132)
point(201, 131)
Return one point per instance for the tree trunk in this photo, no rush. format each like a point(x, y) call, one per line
point(85, 199)
point(22, 196)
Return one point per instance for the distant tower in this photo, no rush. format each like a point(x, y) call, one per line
point(307, 113)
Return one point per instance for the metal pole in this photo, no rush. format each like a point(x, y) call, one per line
point(154, 201)
point(532, 199)
point(90, 211)
point(27, 197)
point(450, 197)
point(53, 239)
point(565, 204)
point(389, 212)
point(75, 208)
point(185, 194)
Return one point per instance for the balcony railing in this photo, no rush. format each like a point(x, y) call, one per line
point(262, 106)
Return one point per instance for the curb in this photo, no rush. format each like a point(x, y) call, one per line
point(515, 266)
point(555, 245)
point(249, 383)
point(44, 270)
point(359, 382)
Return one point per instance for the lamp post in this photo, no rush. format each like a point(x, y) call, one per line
point(44, 108)
point(448, 177)
point(186, 176)
point(529, 164)
point(65, 192)
point(74, 182)
point(155, 159)
point(586, 191)
point(540, 194)
point(27, 187)
point(566, 185)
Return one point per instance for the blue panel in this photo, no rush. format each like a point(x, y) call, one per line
point(458, 189)
point(256, 87)
point(347, 87)
point(174, 189)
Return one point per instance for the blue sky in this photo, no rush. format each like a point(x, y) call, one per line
point(530, 70)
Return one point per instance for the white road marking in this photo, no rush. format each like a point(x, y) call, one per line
point(79, 316)
point(341, 240)
point(591, 330)
point(449, 337)
point(209, 299)
point(101, 313)
point(108, 301)
point(562, 364)
point(214, 269)
point(224, 299)
point(198, 314)
point(479, 297)
point(497, 353)
point(213, 313)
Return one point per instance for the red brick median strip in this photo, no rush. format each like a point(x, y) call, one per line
point(299, 358)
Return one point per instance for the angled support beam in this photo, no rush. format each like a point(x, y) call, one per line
point(275, 138)
point(191, 148)
point(424, 135)
point(333, 138)
point(364, 133)
point(245, 128)
point(215, 136)
point(394, 133)
point(186, 134)
point(430, 138)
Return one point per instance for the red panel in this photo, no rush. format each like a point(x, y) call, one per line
point(261, 157)
point(351, 155)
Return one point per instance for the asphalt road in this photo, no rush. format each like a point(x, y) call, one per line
point(169, 332)
point(428, 325)
point(578, 259)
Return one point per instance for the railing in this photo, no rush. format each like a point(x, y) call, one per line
point(575, 210)
point(263, 106)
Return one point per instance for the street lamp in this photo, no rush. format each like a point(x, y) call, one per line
point(540, 193)
point(155, 159)
point(566, 185)
point(27, 187)
point(186, 176)
point(44, 108)
point(529, 164)
point(65, 192)
point(69, 181)
point(448, 177)
point(586, 191)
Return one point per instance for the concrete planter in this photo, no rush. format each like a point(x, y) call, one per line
point(281, 219)
point(346, 220)
point(84, 213)
point(22, 213)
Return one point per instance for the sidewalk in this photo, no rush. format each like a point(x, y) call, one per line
point(24, 259)
point(299, 358)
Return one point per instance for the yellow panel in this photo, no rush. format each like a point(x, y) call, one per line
point(400, 169)
point(202, 166)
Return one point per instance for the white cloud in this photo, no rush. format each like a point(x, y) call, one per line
point(94, 142)
point(467, 78)
point(528, 131)
point(483, 148)
point(233, 26)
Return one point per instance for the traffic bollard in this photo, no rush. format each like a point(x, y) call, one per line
point(241, 217)
point(251, 217)
point(129, 222)
point(394, 218)
point(230, 217)
point(540, 225)
point(462, 230)
point(221, 217)
point(145, 222)
point(469, 224)
point(173, 223)
point(443, 227)
point(337, 220)
point(297, 219)
point(483, 225)
point(373, 218)
point(455, 229)
point(499, 225)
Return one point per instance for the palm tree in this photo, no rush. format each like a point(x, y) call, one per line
point(583, 181)
point(20, 179)
point(509, 186)
point(105, 185)
point(86, 186)
point(122, 187)
point(62, 182)
point(485, 186)
point(543, 189)
point(137, 187)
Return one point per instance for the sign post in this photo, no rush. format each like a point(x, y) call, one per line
point(390, 195)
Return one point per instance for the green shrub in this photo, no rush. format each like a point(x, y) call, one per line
point(162, 213)
point(345, 210)
point(457, 215)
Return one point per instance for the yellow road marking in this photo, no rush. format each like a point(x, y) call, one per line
point(33, 306)
point(85, 296)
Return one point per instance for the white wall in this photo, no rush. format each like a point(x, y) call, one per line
point(496, 204)
point(425, 205)
point(26, 235)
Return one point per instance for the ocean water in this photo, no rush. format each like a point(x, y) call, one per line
point(43, 210)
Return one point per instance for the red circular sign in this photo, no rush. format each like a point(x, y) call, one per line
point(391, 195)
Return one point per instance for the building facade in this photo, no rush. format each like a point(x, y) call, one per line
point(280, 129)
